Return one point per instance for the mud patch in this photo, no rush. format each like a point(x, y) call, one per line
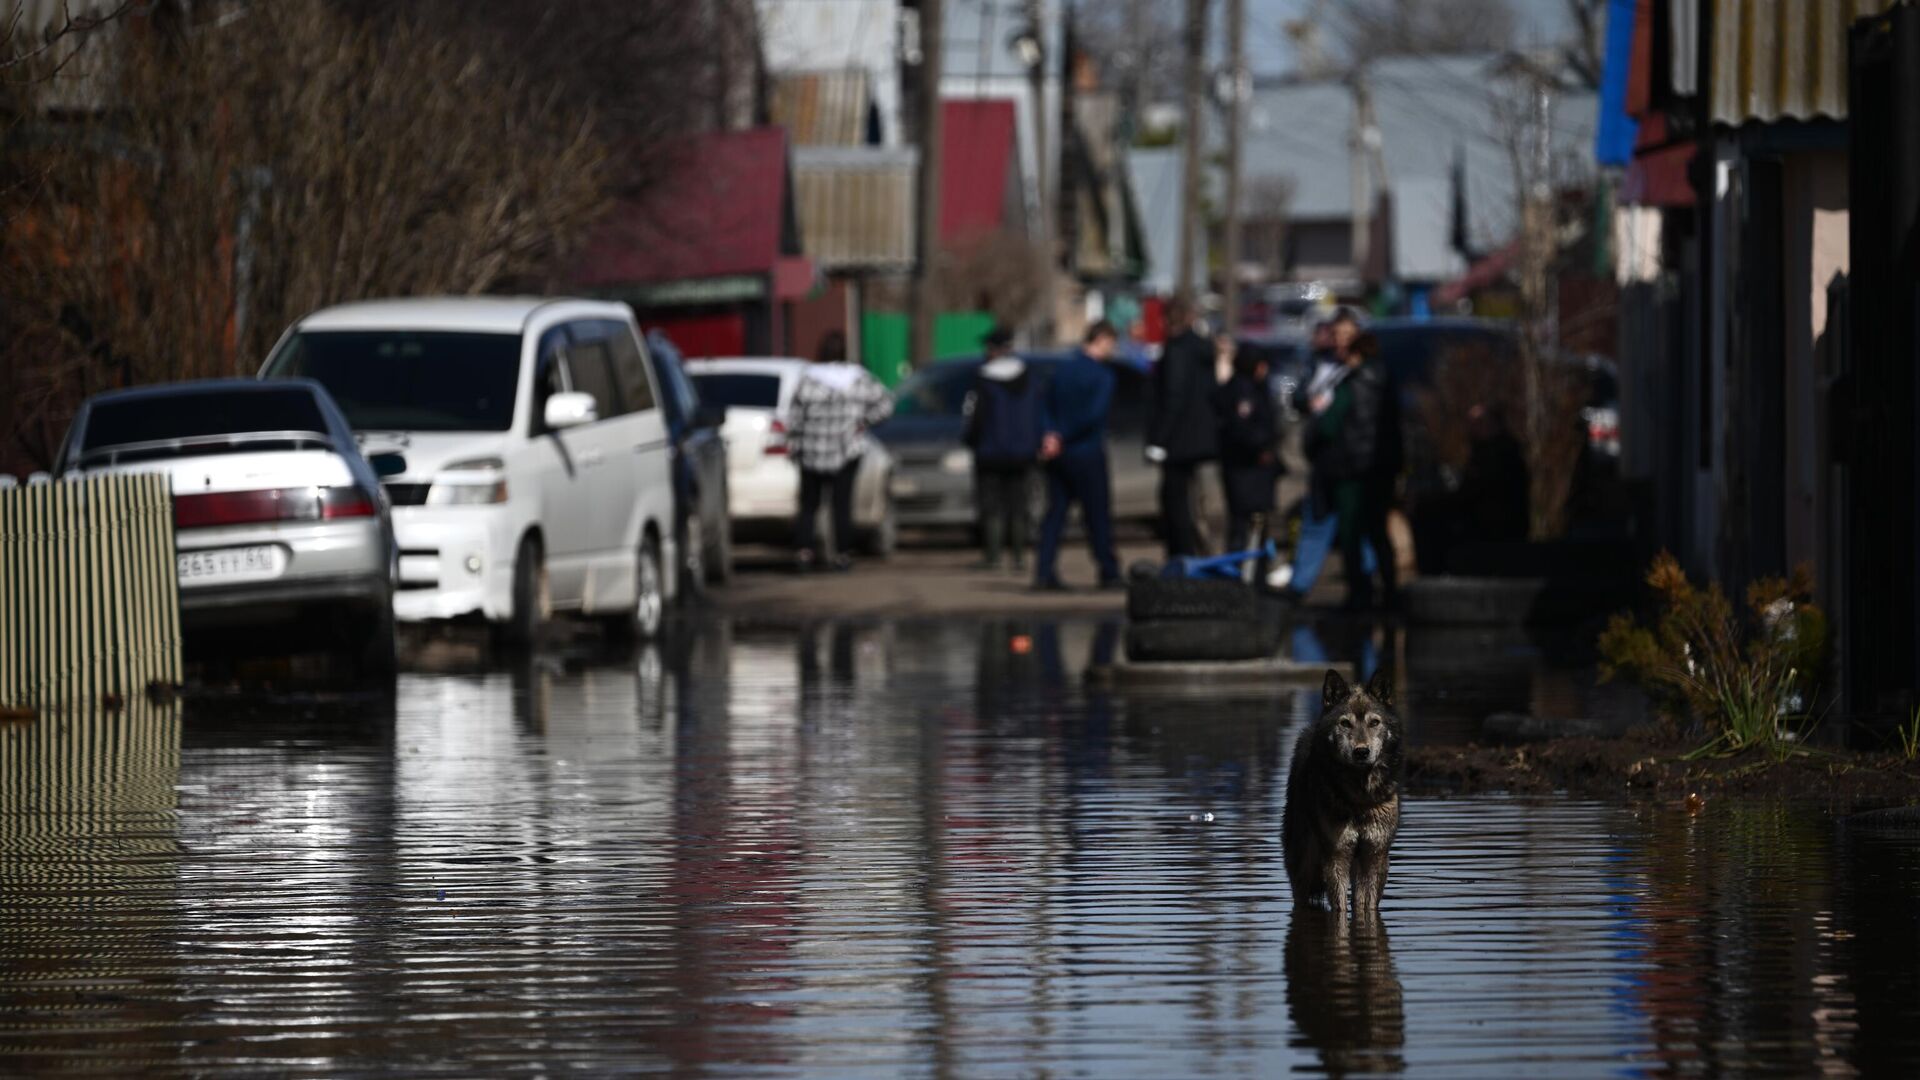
point(1648, 765)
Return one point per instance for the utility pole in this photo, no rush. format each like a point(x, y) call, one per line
point(1236, 121)
point(1365, 170)
point(1196, 45)
point(1037, 60)
point(927, 186)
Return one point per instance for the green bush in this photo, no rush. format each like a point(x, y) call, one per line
point(1745, 674)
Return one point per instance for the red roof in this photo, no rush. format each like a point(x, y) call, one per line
point(976, 164)
point(719, 211)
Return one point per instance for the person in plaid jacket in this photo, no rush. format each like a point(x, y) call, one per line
point(834, 405)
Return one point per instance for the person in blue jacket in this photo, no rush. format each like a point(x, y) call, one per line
point(1004, 429)
point(1075, 451)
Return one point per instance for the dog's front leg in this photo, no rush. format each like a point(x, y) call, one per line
point(1339, 877)
point(1370, 879)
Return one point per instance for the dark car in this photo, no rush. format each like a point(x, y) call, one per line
point(933, 469)
point(705, 538)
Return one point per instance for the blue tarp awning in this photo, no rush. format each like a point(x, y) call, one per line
point(1614, 135)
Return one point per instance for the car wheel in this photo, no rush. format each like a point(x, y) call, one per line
point(885, 535)
point(650, 599)
point(720, 558)
point(532, 596)
point(693, 558)
point(374, 650)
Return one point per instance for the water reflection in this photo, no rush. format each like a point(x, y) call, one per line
point(1343, 994)
point(912, 848)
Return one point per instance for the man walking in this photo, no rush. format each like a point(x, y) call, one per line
point(1078, 399)
point(1181, 432)
point(1319, 523)
point(1004, 429)
point(834, 405)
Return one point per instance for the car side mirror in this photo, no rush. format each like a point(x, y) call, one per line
point(710, 416)
point(388, 464)
point(571, 410)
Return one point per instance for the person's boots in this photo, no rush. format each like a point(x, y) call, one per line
point(992, 536)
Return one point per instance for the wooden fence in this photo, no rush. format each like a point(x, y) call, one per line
point(89, 594)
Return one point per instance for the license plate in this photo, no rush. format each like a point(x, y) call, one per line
point(903, 485)
point(226, 566)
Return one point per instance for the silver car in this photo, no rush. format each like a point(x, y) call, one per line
point(933, 472)
point(280, 526)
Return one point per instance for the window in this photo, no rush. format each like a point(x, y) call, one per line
point(590, 371)
point(549, 376)
point(938, 391)
point(739, 391)
point(402, 380)
point(195, 415)
point(629, 365)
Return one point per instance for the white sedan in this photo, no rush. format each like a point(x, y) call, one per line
point(763, 484)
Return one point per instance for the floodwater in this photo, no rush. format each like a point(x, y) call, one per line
point(898, 849)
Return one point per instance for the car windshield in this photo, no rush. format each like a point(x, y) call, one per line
point(938, 391)
point(406, 380)
point(733, 390)
point(198, 414)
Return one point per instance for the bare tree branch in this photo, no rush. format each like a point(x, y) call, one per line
point(70, 26)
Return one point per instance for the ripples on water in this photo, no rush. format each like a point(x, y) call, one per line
point(901, 849)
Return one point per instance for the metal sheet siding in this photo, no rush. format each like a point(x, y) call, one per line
point(1780, 59)
point(89, 597)
point(823, 108)
point(855, 208)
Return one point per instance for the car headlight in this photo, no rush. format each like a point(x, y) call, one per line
point(470, 483)
point(957, 461)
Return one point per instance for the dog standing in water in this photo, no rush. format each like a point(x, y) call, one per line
point(1343, 799)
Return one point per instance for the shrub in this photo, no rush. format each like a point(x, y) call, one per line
point(1742, 674)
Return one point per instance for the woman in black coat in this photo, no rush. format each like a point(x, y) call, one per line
point(1249, 468)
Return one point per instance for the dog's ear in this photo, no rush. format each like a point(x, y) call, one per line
point(1334, 690)
point(1380, 687)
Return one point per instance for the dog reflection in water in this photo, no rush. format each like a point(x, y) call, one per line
point(1343, 994)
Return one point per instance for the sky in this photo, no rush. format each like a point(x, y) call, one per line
point(1269, 52)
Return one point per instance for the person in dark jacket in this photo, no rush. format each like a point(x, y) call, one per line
point(1181, 431)
point(1357, 447)
point(1078, 398)
point(1249, 468)
point(1004, 429)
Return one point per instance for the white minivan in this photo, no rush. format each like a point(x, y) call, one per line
point(536, 475)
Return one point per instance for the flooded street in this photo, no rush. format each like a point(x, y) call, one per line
point(916, 848)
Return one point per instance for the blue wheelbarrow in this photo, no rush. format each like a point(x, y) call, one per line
point(1228, 567)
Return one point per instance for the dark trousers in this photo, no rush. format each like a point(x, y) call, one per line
point(1001, 496)
point(1176, 508)
point(1363, 508)
point(811, 483)
point(1241, 533)
point(1078, 477)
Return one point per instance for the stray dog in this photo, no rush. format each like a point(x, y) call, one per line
point(1343, 799)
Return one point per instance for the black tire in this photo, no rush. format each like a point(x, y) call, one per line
point(647, 619)
point(692, 574)
point(1154, 599)
point(720, 556)
point(531, 604)
point(1200, 640)
point(880, 540)
point(373, 650)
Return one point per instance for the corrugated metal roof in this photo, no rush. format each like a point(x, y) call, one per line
point(855, 206)
point(823, 108)
point(1781, 59)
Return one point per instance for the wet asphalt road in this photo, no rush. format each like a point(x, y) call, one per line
point(916, 848)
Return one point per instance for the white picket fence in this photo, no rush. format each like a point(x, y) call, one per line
point(89, 594)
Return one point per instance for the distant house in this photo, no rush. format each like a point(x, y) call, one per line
point(712, 255)
point(1442, 126)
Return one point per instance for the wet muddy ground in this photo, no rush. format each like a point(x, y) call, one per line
point(915, 848)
